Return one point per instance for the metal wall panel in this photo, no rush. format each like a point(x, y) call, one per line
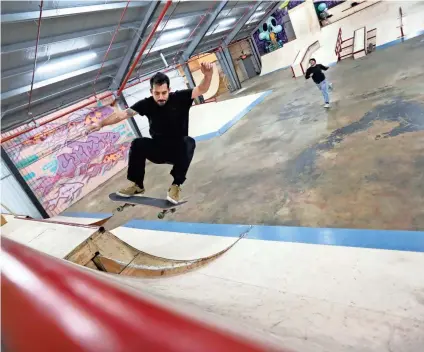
point(13, 196)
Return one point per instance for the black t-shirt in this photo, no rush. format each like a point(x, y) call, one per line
point(169, 120)
point(318, 76)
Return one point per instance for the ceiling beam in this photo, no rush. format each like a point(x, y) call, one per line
point(21, 90)
point(268, 13)
point(7, 111)
point(133, 48)
point(203, 30)
point(68, 11)
point(19, 71)
point(241, 23)
point(66, 37)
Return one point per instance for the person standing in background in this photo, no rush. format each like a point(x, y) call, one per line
point(315, 70)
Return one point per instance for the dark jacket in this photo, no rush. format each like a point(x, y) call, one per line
point(316, 72)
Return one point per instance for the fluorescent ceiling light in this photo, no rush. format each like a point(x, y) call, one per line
point(226, 22)
point(47, 68)
point(260, 13)
point(175, 34)
point(255, 16)
point(171, 24)
point(221, 26)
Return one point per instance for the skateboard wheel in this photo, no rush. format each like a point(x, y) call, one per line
point(120, 209)
point(161, 215)
point(173, 210)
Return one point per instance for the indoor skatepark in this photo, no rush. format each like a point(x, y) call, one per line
point(302, 227)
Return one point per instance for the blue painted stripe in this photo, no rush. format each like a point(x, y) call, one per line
point(378, 239)
point(388, 44)
point(241, 114)
point(234, 120)
point(399, 40)
point(205, 137)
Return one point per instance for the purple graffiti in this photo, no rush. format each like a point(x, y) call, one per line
point(67, 192)
point(83, 152)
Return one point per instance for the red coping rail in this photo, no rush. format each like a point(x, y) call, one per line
point(51, 305)
point(338, 48)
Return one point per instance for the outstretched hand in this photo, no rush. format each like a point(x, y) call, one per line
point(93, 128)
point(206, 68)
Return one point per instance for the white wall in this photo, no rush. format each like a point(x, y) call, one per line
point(142, 90)
point(384, 16)
point(304, 20)
point(285, 56)
point(13, 196)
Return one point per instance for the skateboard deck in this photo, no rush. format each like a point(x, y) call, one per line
point(164, 204)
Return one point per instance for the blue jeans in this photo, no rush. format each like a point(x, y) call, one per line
point(323, 87)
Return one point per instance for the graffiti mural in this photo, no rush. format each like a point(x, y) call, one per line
point(61, 164)
point(271, 34)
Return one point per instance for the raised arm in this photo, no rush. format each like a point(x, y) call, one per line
point(202, 88)
point(116, 117)
point(322, 67)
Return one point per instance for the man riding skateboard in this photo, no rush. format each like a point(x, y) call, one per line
point(168, 114)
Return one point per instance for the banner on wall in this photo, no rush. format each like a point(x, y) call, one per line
point(61, 164)
point(271, 34)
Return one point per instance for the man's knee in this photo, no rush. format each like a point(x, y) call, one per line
point(139, 143)
point(190, 144)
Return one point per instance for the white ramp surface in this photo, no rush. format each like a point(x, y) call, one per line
point(310, 297)
point(211, 119)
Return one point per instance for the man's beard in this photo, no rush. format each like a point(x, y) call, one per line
point(161, 102)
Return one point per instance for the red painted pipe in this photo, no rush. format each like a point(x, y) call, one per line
point(52, 305)
point(194, 30)
point(110, 45)
point(137, 59)
point(108, 94)
point(35, 55)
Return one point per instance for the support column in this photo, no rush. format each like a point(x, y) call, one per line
point(29, 192)
point(256, 59)
point(122, 103)
point(227, 55)
point(223, 62)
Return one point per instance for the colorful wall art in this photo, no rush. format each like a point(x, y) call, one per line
point(61, 164)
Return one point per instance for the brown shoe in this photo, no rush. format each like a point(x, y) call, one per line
point(130, 191)
point(174, 194)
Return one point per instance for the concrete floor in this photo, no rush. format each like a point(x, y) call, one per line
point(291, 162)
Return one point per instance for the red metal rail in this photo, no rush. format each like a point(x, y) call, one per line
point(51, 305)
point(35, 56)
point(144, 46)
point(66, 112)
point(110, 46)
point(339, 41)
point(193, 31)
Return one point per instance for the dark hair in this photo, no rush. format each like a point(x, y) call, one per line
point(312, 59)
point(159, 79)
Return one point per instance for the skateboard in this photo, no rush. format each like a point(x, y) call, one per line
point(164, 204)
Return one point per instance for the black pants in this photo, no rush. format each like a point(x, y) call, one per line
point(177, 152)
